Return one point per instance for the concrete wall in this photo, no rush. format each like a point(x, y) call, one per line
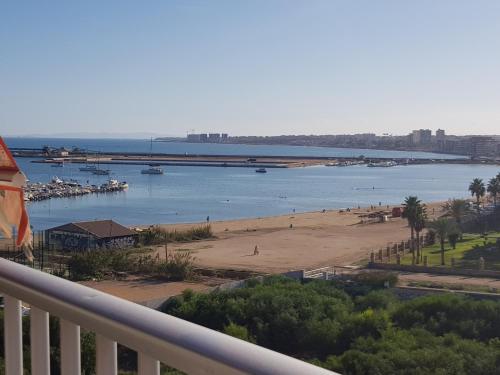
point(406, 293)
point(435, 270)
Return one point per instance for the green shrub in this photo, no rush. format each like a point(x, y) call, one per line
point(158, 236)
point(178, 266)
point(377, 279)
point(240, 332)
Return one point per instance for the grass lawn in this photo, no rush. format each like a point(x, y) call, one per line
point(468, 251)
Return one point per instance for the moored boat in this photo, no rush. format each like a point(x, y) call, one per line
point(88, 168)
point(101, 172)
point(383, 164)
point(153, 169)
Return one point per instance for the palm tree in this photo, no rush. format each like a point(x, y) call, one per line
point(412, 206)
point(494, 188)
point(421, 218)
point(442, 227)
point(456, 209)
point(477, 188)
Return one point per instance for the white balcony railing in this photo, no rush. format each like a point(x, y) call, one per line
point(157, 337)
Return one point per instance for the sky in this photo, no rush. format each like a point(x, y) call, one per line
point(259, 67)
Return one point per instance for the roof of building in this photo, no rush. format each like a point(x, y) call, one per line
point(98, 228)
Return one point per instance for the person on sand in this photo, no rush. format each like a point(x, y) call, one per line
point(208, 219)
point(256, 250)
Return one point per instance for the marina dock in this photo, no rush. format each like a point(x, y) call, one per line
point(58, 188)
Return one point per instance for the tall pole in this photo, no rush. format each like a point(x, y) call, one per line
point(166, 249)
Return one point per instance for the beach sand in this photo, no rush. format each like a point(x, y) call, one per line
point(315, 239)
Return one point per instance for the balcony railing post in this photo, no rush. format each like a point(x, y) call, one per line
point(40, 346)
point(13, 335)
point(147, 365)
point(106, 360)
point(70, 348)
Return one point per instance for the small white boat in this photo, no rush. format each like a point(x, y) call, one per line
point(101, 172)
point(383, 164)
point(152, 170)
point(88, 168)
point(57, 180)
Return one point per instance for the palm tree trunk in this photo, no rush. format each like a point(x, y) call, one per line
point(442, 251)
point(418, 247)
point(412, 237)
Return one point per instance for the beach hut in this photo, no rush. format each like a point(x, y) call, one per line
point(99, 234)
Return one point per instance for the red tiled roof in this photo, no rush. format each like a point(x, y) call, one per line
point(99, 228)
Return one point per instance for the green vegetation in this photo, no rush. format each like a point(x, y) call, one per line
point(477, 189)
point(494, 188)
point(457, 209)
point(98, 264)
point(444, 228)
point(353, 327)
point(416, 214)
point(156, 235)
point(466, 252)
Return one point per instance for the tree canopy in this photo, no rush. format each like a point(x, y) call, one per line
point(354, 327)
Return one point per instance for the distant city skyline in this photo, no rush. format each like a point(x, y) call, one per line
point(125, 69)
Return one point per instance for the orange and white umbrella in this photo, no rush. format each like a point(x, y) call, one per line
point(12, 210)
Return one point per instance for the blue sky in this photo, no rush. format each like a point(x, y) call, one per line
point(249, 67)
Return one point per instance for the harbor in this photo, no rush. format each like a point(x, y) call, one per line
point(58, 188)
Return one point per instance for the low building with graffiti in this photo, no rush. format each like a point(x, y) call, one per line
point(90, 235)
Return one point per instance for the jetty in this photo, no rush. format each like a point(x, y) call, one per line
point(58, 188)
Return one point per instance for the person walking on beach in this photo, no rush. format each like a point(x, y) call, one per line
point(208, 219)
point(256, 250)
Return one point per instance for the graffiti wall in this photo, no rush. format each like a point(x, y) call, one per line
point(77, 241)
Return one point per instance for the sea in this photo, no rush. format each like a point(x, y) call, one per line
point(191, 194)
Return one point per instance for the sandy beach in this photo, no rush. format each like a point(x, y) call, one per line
point(296, 241)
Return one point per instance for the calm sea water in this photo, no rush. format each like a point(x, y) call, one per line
point(190, 194)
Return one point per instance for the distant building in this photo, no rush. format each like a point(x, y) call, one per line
point(483, 146)
point(214, 137)
point(440, 135)
point(207, 138)
point(440, 139)
point(193, 138)
point(101, 234)
point(425, 136)
point(420, 137)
